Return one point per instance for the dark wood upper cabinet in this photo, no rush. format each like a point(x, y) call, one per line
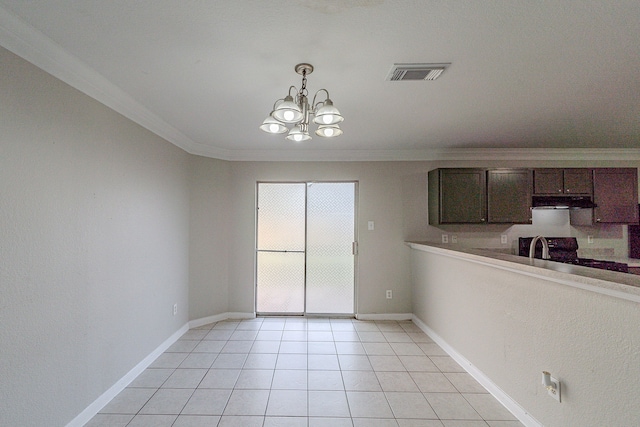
point(615, 191)
point(480, 196)
point(509, 196)
point(562, 181)
point(578, 181)
point(457, 196)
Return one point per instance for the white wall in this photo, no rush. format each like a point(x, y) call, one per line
point(94, 245)
point(512, 327)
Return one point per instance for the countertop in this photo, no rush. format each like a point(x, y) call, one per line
point(622, 285)
point(631, 262)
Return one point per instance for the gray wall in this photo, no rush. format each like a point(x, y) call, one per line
point(383, 259)
point(94, 246)
point(210, 231)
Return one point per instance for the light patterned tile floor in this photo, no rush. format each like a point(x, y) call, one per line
point(295, 372)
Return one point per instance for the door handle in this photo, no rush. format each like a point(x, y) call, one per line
point(354, 248)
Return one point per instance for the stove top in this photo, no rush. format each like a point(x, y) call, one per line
point(565, 250)
point(604, 265)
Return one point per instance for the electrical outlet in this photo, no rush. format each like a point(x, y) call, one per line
point(553, 386)
point(389, 294)
point(503, 239)
point(445, 238)
point(590, 240)
point(175, 309)
point(454, 239)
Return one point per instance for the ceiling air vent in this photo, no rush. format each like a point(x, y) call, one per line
point(406, 72)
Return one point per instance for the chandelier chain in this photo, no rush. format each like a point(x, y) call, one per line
point(303, 88)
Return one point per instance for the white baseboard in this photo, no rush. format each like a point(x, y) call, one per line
point(106, 397)
point(384, 316)
point(512, 406)
point(219, 318)
point(91, 410)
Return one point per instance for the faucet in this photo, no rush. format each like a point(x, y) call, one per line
point(545, 247)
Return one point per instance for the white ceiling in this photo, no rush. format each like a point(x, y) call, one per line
point(525, 74)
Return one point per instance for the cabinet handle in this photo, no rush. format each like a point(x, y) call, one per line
point(568, 191)
point(598, 219)
point(481, 219)
point(560, 190)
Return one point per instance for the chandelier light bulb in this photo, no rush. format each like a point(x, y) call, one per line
point(329, 131)
point(271, 125)
point(327, 114)
point(288, 115)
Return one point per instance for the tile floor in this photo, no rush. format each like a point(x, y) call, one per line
point(294, 372)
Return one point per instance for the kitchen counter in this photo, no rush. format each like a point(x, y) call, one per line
point(621, 285)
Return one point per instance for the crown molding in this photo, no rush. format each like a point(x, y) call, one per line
point(27, 42)
point(444, 154)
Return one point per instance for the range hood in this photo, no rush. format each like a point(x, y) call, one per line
point(562, 202)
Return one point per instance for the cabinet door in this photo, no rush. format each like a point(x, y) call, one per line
point(548, 181)
point(509, 196)
point(461, 196)
point(578, 181)
point(615, 191)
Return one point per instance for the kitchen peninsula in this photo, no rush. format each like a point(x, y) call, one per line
point(507, 318)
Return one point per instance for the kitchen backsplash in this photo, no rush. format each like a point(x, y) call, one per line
point(607, 240)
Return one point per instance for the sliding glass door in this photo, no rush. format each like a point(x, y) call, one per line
point(305, 248)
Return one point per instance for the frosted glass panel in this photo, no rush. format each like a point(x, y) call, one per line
point(330, 234)
point(281, 222)
point(280, 259)
point(280, 282)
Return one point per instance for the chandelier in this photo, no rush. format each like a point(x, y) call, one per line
point(296, 112)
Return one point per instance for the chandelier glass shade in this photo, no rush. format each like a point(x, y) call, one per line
point(296, 111)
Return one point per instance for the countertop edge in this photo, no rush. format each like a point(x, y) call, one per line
point(615, 284)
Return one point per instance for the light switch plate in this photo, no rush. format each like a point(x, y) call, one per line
point(590, 239)
point(370, 225)
point(503, 239)
point(454, 238)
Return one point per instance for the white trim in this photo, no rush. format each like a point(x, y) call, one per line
point(32, 45)
point(443, 154)
point(384, 316)
point(219, 318)
point(512, 406)
point(91, 410)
